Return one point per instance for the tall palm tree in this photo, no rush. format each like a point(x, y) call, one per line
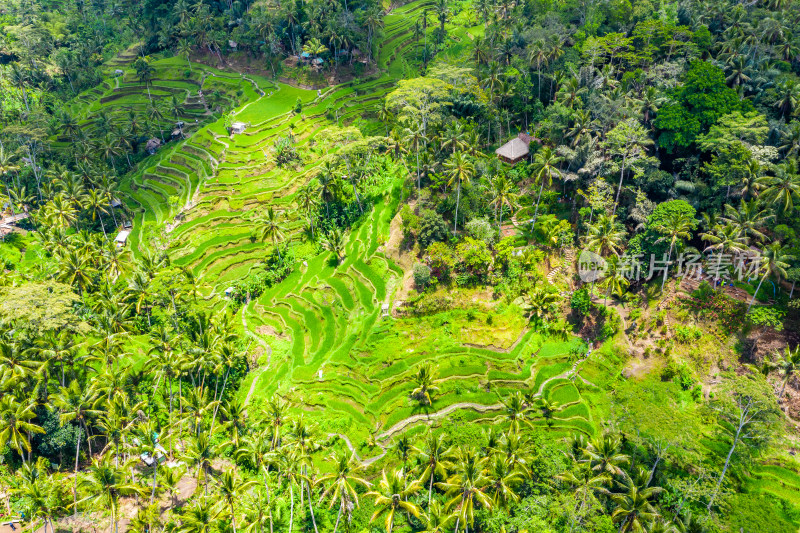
point(504, 478)
point(784, 189)
point(606, 235)
point(231, 488)
point(77, 404)
point(271, 228)
point(424, 380)
point(789, 365)
point(15, 424)
point(433, 457)
point(467, 488)
point(748, 219)
point(676, 227)
point(334, 242)
point(392, 496)
point(503, 195)
point(544, 168)
point(633, 511)
point(308, 203)
point(201, 517)
point(459, 169)
point(774, 261)
point(604, 455)
point(414, 137)
point(105, 483)
point(342, 483)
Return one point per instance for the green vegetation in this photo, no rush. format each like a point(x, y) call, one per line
point(260, 269)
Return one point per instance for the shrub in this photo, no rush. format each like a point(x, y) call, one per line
point(581, 302)
point(422, 275)
point(687, 334)
point(482, 230)
point(432, 228)
point(442, 260)
point(298, 106)
point(475, 257)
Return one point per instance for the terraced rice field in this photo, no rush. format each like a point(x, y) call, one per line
point(326, 342)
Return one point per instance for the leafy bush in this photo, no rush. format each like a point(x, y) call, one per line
point(432, 228)
point(581, 302)
point(482, 230)
point(687, 334)
point(442, 260)
point(422, 275)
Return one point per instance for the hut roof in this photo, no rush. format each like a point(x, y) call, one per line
point(152, 144)
point(513, 149)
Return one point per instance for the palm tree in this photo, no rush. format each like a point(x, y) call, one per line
point(633, 508)
point(606, 235)
point(677, 226)
point(201, 517)
point(723, 238)
point(615, 280)
point(200, 454)
point(515, 408)
point(185, 50)
point(544, 168)
point(392, 495)
point(747, 219)
point(16, 426)
point(308, 203)
point(231, 488)
point(61, 211)
point(413, 137)
point(788, 364)
point(433, 456)
point(774, 261)
point(343, 480)
point(604, 456)
point(270, 228)
point(784, 189)
point(504, 478)
point(76, 404)
point(467, 487)
point(460, 169)
point(424, 379)
point(105, 483)
point(503, 195)
point(583, 482)
point(334, 242)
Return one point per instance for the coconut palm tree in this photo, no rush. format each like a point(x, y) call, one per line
point(604, 456)
point(414, 137)
point(748, 219)
point(676, 227)
point(783, 189)
point(633, 511)
point(77, 404)
point(308, 202)
point(544, 168)
point(459, 169)
point(774, 261)
point(788, 364)
point(391, 497)
point(433, 458)
point(105, 483)
point(467, 488)
point(515, 408)
point(606, 235)
point(505, 478)
point(201, 517)
point(503, 195)
point(342, 483)
point(15, 424)
point(334, 242)
point(231, 488)
point(271, 228)
point(424, 379)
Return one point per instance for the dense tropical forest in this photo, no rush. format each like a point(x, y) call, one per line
point(439, 266)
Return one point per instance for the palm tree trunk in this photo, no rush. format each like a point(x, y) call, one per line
point(538, 198)
point(291, 506)
point(311, 508)
point(75, 486)
point(458, 200)
point(666, 267)
point(338, 516)
point(619, 188)
point(752, 301)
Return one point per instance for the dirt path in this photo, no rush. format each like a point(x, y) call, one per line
point(365, 462)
